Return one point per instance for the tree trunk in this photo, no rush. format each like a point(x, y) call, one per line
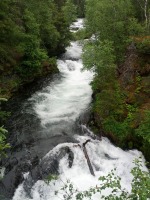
point(87, 158)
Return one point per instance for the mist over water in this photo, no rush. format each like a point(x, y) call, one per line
point(58, 106)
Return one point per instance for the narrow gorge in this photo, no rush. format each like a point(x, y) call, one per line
point(48, 136)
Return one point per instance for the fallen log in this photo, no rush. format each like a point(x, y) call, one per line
point(87, 158)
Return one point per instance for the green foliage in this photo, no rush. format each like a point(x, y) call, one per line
point(99, 56)
point(8, 34)
point(48, 18)
point(142, 12)
point(143, 46)
point(144, 129)
point(80, 4)
point(69, 10)
point(3, 144)
point(135, 28)
point(113, 21)
point(109, 103)
point(140, 183)
point(116, 14)
point(3, 132)
point(51, 177)
point(3, 114)
point(33, 54)
point(138, 82)
point(80, 34)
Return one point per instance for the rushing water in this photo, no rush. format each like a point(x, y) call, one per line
point(64, 101)
point(58, 106)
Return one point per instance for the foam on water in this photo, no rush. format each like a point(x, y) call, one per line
point(65, 100)
point(77, 25)
point(74, 51)
point(2, 172)
point(79, 174)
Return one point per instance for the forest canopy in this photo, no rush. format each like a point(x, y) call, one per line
point(32, 34)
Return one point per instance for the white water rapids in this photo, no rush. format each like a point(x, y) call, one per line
point(62, 103)
point(66, 99)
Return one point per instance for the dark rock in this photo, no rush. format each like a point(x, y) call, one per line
point(4, 195)
point(49, 165)
point(71, 67)
point(70, 157)
point(109, 157)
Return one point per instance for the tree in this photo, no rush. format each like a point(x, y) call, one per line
point(3, 132)
point(113, 21)
point(69, 11)
point(8, 34)
point(145, 10)
point(33, 54)
point(80, 7)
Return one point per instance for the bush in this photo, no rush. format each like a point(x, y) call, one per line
point(3, 132)
point(143, 45)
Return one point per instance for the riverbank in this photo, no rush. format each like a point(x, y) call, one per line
point(11, 83)
point(31, 41)
point(119, 53)
point(131, 129)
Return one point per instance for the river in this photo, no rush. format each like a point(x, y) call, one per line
point(50, 134)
